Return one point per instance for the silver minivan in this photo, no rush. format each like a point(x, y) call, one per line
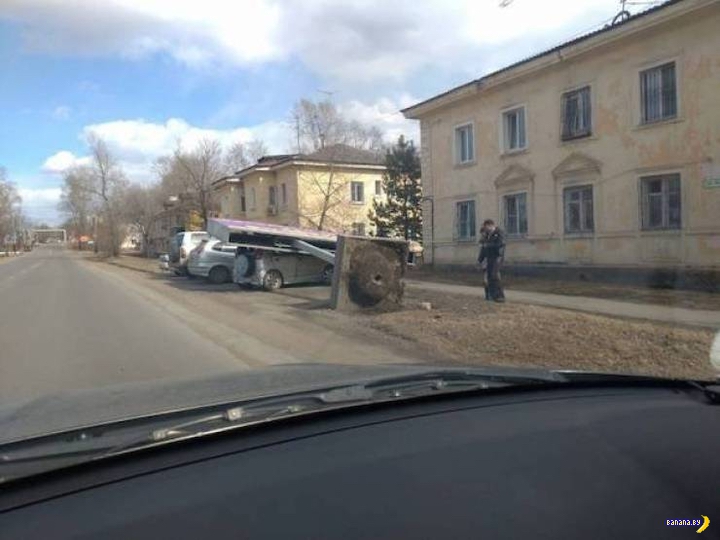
point(212, 259)
point(272, 268)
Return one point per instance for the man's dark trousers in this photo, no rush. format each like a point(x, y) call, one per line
point(493, 277)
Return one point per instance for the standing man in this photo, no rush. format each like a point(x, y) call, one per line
point(492, 253)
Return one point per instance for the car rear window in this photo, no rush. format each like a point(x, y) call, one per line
point(196, 238)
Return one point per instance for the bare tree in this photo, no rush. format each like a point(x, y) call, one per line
point(326, 201)
point(10, 210)
point(142, 207)
point(194, 171)
point(320, 124)
point(76, 200)
point(99, 186)
point(243, 154)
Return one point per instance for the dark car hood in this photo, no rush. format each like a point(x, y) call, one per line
point(81, 408)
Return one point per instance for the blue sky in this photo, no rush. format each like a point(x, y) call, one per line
point(144, 74)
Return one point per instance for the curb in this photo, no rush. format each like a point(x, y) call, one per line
point(134, 268)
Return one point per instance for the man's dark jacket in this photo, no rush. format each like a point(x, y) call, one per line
point(493, 245)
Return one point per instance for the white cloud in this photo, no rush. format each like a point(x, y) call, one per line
point(192, 32)
point(385, 114)
point(62, 161)
point(137, 143)
point(39, 195)
point(41, 204)
point(361, 40)
point(61, 112)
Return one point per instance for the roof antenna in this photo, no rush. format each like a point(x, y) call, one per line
point(623, 16)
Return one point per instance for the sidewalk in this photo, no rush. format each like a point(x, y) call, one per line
point(614, 308)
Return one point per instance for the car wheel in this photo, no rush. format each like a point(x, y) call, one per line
point(327, 274)
point(272, 281)
point(219, 274)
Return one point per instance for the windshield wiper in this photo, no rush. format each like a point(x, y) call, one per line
point(264, 410)
point(28, 457)
point(32, 456)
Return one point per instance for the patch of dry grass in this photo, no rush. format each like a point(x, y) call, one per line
point(473, 331)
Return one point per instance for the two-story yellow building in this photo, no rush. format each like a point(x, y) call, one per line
point(331, 189)
point(604, 150)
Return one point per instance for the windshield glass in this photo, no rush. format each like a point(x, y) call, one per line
point(195, 211)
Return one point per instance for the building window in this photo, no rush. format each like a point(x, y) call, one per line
point(465, 217)
point(578, 202)
point(658, 93)
point(242, 199)
point(514, 129)
point(252, 198)
point(378, 188)
point(515, 208)
point(358, 229)
point(464, 144)
point(576, 114)
point(661, 206)
point(357, 192)
point(283, 194)
point(272, 196)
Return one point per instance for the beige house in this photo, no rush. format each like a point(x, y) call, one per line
point(331, 189)
point(604, 150)
point(177, 215)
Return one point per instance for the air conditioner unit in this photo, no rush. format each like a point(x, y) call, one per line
point(272, 210)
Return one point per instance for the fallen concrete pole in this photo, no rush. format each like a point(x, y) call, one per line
point(369, 273)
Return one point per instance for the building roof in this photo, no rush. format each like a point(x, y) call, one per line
point(277, 158)
point(554, 50)
point(343, 153)
point(340, 154)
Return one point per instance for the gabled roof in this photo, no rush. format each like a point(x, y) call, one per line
point(463, 89)
point(343, 153)
point(277, 158)
point(338, 154)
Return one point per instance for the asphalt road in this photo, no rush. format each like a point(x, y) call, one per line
point(67, 325)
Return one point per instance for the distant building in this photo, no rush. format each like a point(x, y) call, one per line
point(604, 150)
point(178, 215)
point(332, 189)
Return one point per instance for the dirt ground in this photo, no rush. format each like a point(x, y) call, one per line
point(470, 330)
point(628, 293)
point(461, 330)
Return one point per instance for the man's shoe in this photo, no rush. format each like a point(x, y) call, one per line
point(500, 300)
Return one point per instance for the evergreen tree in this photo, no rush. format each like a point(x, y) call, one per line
point(400, 214)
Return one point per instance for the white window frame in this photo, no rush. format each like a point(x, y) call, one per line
point(582, 230)
point(503, 213)
point(272, 196)
point(353, 185)
point(591, 104)
point(378, 188)
point(456, 148)
point(655, 64)
point(473, 231)
point(503, 136)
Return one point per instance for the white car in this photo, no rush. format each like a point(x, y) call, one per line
point(181, 246)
